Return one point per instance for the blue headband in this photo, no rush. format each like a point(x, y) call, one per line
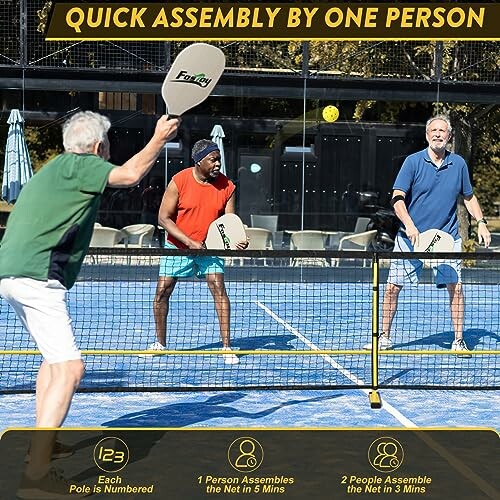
point(204, 152)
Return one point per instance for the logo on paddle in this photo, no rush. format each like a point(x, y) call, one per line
point(200, 80)
point(435, 240)
point(225, 239)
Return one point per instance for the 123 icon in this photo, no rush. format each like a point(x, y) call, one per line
point(111, 454)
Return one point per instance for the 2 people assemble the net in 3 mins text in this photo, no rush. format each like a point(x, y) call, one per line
point(425, 196)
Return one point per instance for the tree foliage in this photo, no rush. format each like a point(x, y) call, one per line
point(477, 124)
point(43, 145)
point(486, 159)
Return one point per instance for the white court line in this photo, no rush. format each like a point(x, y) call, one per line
point(386, 406)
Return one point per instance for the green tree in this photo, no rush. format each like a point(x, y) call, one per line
point(43, 145)
point(477, 131)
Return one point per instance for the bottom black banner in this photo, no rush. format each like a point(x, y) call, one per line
point(251, 463)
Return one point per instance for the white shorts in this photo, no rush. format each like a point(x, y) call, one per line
point(407, 271)
point(41, 307)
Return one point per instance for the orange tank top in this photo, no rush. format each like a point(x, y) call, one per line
point(199, 204)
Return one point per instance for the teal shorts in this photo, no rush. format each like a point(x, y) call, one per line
point(408, 271)
point(185, 266)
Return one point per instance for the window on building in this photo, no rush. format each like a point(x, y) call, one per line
point(120, 101)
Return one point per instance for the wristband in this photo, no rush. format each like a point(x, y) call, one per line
point(396, 199)
point(483, 221)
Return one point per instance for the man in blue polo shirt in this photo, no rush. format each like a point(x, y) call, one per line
point(425, 197)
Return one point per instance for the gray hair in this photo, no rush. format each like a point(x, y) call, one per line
point(201, 145)
point(444, 118)
point(84, 130)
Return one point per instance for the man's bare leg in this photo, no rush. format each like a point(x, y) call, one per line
point(457, 305)
point(55, 386)
point(389, 307)
point(164, 289)
point(217, 287)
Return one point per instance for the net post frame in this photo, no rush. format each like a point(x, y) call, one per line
point(374, 396)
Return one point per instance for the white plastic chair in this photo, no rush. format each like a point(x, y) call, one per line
point(334, 237)
point(359, 241)
point(361, 224)
point(139, 235)
point(494, 245)
point(495, 242)
point(106, 237)
point(308, 240)
point(269, 222)
point(259, 239)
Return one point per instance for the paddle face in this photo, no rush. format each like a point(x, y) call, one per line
point(434, 240)
point(225, 232)
point(192, 77)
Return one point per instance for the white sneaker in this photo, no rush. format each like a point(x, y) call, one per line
point(384, 344)
point(230, 359)
point(461, 346)
point(156, 346)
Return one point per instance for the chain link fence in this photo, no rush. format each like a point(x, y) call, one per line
point(22, 43)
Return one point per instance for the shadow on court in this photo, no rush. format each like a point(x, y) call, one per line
point(186, 414)
point(109, 378)
point(472, 336)
point(270, 342)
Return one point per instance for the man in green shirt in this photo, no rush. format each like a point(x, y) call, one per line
point(46, 239)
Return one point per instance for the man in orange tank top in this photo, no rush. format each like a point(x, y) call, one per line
point(194, 198)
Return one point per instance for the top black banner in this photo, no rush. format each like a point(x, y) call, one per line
point(274, 21)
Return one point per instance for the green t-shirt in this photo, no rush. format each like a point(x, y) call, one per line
point(49, 230)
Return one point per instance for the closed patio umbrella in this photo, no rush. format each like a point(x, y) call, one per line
point(217, 135)
point(17, 166)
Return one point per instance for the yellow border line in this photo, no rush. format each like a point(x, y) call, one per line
point(238, 39)
point(133, 352)
point(270, 429)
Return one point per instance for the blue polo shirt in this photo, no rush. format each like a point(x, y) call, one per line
point(432, 192)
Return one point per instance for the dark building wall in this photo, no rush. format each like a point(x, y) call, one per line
point(269, 180)
point(366, 156)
